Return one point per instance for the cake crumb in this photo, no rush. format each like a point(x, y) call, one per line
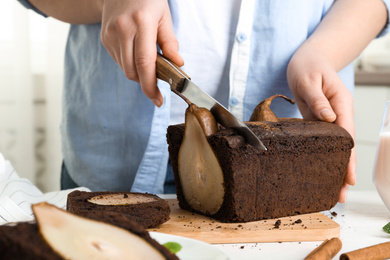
point(298, 221)
point(277, 223)
point(334, 214)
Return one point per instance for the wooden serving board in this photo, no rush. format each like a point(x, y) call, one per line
point(307, 227)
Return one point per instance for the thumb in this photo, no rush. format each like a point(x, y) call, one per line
point(318, 104)
point(325, 112)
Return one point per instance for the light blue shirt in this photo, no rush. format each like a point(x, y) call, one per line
point(114, 138)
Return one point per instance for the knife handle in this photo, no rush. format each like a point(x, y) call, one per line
point(169, 72)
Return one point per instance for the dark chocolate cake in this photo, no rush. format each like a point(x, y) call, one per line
point(301, 172)
point(23, 241)
point(147, 210)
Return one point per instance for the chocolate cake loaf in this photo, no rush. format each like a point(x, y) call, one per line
point(24, 240)
point(147, 210)
point(302, 170)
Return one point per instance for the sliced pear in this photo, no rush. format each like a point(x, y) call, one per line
point(74, 237)
point(263, 112)
point(121, 199)
point(201, 176)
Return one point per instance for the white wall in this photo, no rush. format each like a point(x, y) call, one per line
point(369, 107)
point(31, 76)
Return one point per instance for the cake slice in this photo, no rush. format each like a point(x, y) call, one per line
point(302, 170)
point(148, 210)
point(62, 235)
point(23, 241)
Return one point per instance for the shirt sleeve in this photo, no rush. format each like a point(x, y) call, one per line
point(386, 29)
point(27, 4)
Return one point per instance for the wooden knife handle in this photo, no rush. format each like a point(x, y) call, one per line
point(169, 72)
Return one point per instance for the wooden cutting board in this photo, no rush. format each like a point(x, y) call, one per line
point(307, 227)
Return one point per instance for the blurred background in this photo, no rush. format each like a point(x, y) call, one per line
point(31, 80)
point(31, 74)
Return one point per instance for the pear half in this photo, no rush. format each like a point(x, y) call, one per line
point(74, 237)
point(200, 174)
point(122, 199)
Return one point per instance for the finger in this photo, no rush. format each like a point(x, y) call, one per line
point(311, 92)
point(124, 36)
point(304, 109)
point(343, 193)
point(341, 101)
point(145, 54)
point(346, 121)
point(117, 38)
point(126, 59)
point(110, 45)
point(342, 104)
point(350, 178)
point(167, 40)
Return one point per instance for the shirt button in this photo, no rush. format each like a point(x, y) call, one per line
point(241, 37)
point(233, 101)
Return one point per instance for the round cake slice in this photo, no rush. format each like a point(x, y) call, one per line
point(148, 210)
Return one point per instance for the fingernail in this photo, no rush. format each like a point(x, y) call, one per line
point(157, 102)
point(327, 115)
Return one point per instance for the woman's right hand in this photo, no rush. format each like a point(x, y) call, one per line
point(130, 31)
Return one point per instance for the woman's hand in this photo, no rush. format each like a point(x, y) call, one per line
point(130, 31)
point(344, 32)
point(321, 95)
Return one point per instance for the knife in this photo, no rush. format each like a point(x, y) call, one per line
point(180, 82)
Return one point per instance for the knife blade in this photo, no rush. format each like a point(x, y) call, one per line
point(180, 82)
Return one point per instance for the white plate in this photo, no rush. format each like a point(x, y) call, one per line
point(191, 249)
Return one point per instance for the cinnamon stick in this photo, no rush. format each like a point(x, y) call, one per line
point(377, 252)
point(326, 251)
